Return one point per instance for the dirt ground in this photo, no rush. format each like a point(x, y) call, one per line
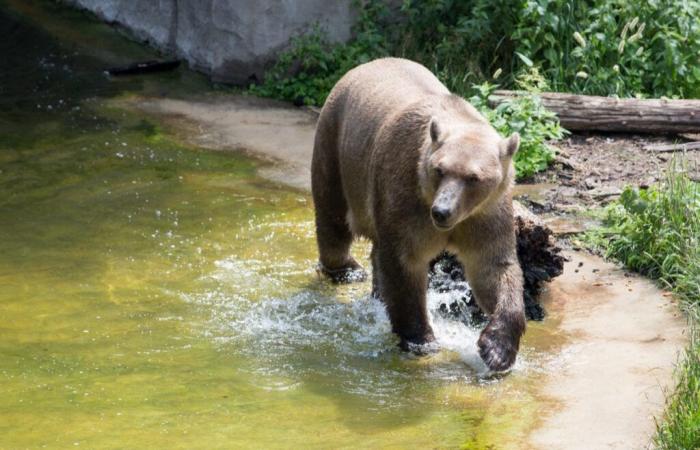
point(592, 169)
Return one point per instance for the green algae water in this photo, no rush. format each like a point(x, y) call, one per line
point(155, 295)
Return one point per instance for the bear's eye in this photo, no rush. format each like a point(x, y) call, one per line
point(471, 178)
point(439, 173)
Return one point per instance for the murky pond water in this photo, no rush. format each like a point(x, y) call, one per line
point(157, 295)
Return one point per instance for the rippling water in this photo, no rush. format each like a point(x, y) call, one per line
point(157, 295)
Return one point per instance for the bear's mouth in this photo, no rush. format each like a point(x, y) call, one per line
point(443, 226)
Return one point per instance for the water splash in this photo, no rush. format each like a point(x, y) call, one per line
point(341, 332)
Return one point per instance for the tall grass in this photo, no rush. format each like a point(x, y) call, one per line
point(680, 427)
point(657, 232)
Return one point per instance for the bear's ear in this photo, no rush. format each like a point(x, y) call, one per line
point(510, 145)
point(434, 131)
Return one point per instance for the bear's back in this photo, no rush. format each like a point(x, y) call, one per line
point(384, 86)
point(367, 98)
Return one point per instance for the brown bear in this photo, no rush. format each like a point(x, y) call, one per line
point(400, 160)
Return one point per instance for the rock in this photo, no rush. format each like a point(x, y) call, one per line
point(605, 192)
point(590, 183)
point(231, 40)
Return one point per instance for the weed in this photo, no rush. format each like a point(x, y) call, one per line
point(308, 70)
point(527, 116)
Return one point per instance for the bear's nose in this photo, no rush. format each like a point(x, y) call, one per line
point(440, 214)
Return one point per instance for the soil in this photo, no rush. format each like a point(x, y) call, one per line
point(592, 170)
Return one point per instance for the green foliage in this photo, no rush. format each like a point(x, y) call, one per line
point(606, 47)
point(657, 232)
point(527, 116)
point(621, 47)
point(680, 428)
point(309, 69)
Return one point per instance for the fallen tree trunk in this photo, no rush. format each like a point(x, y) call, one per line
point(540, 259)
point(629, 115)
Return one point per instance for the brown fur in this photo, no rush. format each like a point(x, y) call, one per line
point(401, 161)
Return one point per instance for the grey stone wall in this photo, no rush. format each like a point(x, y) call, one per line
point(232, 40)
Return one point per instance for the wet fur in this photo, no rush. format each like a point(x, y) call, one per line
point(384, 131)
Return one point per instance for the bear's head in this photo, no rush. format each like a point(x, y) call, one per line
point(467, 167)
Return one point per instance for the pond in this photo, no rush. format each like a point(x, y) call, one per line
point(160, 295)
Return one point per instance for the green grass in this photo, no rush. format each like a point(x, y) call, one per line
point(680, 428)
point(657, 233)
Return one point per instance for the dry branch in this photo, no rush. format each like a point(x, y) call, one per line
point(681, 147)
point(593, 113)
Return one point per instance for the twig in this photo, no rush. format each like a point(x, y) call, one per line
point(685, 146)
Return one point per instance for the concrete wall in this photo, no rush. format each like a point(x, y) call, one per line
point(232, 40)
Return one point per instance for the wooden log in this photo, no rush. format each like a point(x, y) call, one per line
point(539, 256)
point(629, 115)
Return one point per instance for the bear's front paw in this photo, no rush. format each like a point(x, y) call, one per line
point(498, 347)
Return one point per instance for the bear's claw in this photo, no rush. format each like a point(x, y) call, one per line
point(498, 349)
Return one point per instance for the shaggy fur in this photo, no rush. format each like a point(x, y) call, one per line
point(400, 160)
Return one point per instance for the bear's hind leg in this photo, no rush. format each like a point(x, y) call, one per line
point(333, 233)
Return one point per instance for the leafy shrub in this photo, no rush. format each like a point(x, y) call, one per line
point(527, 116)
point(606, 47)
point(309, 69)
point(621, 47)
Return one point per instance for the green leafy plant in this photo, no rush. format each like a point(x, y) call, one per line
point(621, 47)
point(525, 115)
point(606, 47)
point(309, 69)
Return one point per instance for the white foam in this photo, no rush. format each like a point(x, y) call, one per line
point(312, 331)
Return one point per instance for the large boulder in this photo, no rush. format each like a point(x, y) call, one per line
point(231, 40)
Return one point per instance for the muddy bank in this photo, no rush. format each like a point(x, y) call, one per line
point(592, 170)
point(624, 338)
point(274, 131)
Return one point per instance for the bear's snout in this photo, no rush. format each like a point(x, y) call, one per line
point(440, 215)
